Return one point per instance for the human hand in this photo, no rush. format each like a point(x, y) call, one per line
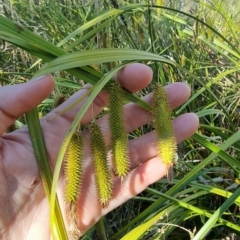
point(24, 208)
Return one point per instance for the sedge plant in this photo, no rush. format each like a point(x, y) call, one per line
point(200, 45)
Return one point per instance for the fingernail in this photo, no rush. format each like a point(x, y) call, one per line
point(38, 78)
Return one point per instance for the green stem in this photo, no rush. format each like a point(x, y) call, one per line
point(100, 229)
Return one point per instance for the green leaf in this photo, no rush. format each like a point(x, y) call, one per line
point(98, 56)
point(57, 226)
point(110, 13)
point(216, 216)
point(206, 112)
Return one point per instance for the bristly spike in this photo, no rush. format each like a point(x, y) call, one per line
point(73, 173)
point(103, 176)
point(166, 142)
point(73, 168)
point(119, 138)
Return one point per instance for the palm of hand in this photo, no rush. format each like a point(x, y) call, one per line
point(24, 207)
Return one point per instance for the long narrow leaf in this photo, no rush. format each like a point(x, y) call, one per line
point(139, 230)
point(217, 215)
point(44, 169)
point(91, 23)
point(98, 56)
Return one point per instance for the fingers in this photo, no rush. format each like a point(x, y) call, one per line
point(146, 167)
point(137, 181)
point(133, 77)
point(136, 116)
point(19, 99)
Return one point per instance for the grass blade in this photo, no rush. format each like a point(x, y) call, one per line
point(216, 216)
point(98, 56)
point(45, 171)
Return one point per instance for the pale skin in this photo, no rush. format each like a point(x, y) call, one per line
point(24, 210)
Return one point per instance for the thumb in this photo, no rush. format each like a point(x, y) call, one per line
point(21, 98)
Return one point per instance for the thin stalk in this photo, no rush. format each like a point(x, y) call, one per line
point(100, 229)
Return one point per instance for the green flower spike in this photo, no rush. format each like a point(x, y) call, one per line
point(73, 174)
point(166, 141)
point(103, 176)
point(119, 138)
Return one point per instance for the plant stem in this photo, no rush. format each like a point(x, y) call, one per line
point(100, 229)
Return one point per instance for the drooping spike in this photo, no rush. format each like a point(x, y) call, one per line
point(73, 168)
point(166, 141)
point(119, 138)
point(103, 176)
point(73, 174)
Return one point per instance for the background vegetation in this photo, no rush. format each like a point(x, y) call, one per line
point(202, 38)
